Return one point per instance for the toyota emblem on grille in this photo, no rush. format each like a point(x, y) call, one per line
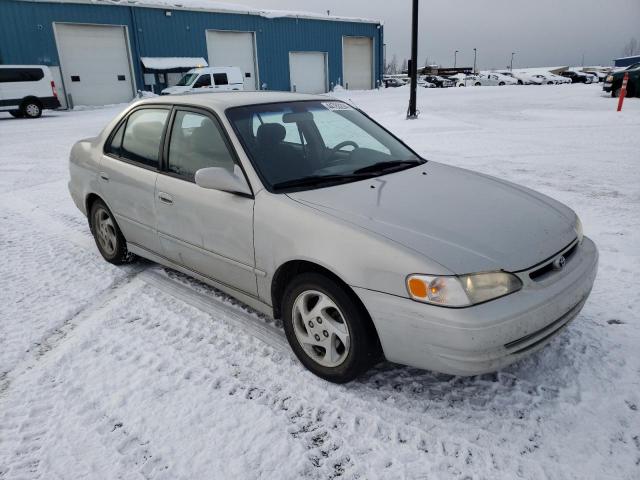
point(559, 262)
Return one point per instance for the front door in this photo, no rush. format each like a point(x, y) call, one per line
point(207, 231)
point(128, 173)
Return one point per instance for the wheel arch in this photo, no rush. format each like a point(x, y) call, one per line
point(89, 200)
point(30, 98)
point(290, 269)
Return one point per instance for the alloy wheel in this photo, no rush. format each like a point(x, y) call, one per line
point(105, 231)
point(320, 328)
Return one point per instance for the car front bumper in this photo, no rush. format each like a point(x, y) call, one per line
point(487, 337)
point(607, 87)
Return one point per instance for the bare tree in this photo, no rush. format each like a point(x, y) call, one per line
point(405, 66)
point(391, 67)
point(631, 48)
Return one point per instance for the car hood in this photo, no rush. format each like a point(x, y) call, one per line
point(465, 221)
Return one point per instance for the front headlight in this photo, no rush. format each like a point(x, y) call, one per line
point(578, 229)
point(463, 290)
point(609, 78)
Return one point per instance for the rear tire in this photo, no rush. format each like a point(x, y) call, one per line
point(336, 341)
point(109, 239)
point(31, 109)
point(16, 113)
point(501, 84)
point(477, 84)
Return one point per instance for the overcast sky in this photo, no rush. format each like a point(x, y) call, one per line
point(541, 32)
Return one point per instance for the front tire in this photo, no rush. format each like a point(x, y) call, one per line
point(327, 329)
point(109, 239)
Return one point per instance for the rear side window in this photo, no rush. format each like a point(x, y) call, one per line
point(203, 81)
point(143, 135)
point(115, 147)
point(11, 75)
point(220, 79)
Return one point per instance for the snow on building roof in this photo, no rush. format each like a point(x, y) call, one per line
point(214, 6)
point(169, 63)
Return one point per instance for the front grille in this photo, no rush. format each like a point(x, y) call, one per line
point(541, 272)
point(544, 333)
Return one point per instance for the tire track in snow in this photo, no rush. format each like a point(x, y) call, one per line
point(55, 337)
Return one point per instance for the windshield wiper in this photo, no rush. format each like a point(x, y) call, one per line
point(385, 166)
point(314, 180)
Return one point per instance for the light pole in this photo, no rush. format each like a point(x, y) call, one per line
point(511, 67)
point(455, 58)
point(412, 112)
point(475, 55)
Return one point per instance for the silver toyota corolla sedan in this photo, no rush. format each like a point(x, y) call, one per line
point(307, 210)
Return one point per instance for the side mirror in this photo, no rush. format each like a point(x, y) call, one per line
point(216, 178)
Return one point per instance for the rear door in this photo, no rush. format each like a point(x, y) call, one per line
point(129, 170)
point(221, 81)
point(207, 231)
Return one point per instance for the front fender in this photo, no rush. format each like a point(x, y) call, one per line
point(286, 230)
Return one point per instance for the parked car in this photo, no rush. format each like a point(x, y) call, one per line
point(577, 77)
point(438, 81)
point(493, 78)
point(27, 90)
point(394, 82)
point(521, 78)
point(462, 80)
point(550, 79)
point(594, 76)
point(613, 82)
point(208, 79)
point(306, 209)
point(424, 84)
point(556, 79)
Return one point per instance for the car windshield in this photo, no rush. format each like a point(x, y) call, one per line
point(187, 80)
point(311, 144)
point(633, 66)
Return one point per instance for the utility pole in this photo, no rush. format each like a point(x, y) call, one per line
point(413, 65)
point(455, 58)
point(475, 55)
point(511, 67)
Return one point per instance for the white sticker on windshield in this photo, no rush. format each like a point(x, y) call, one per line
point(336, 106)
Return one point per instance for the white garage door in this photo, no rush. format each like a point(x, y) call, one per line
point(234, 49)
point(357, 62)
point(308, 72)
point(95, 63)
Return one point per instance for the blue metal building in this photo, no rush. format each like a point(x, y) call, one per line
point(90, 42)
point(626, 61)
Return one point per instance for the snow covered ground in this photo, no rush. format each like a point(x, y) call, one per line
point(141, 373)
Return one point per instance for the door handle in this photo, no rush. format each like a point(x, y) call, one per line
point(104, 176)
point(165, 198)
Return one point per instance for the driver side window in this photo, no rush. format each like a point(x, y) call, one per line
point(197, 142)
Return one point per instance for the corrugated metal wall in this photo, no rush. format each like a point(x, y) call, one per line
point(626, 61)
point(26, 35)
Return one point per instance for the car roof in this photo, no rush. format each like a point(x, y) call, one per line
point(222, 100)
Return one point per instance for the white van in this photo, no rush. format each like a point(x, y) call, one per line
point(208, 79)
point(26, 90)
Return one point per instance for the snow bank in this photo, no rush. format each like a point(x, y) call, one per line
point(168, 63)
